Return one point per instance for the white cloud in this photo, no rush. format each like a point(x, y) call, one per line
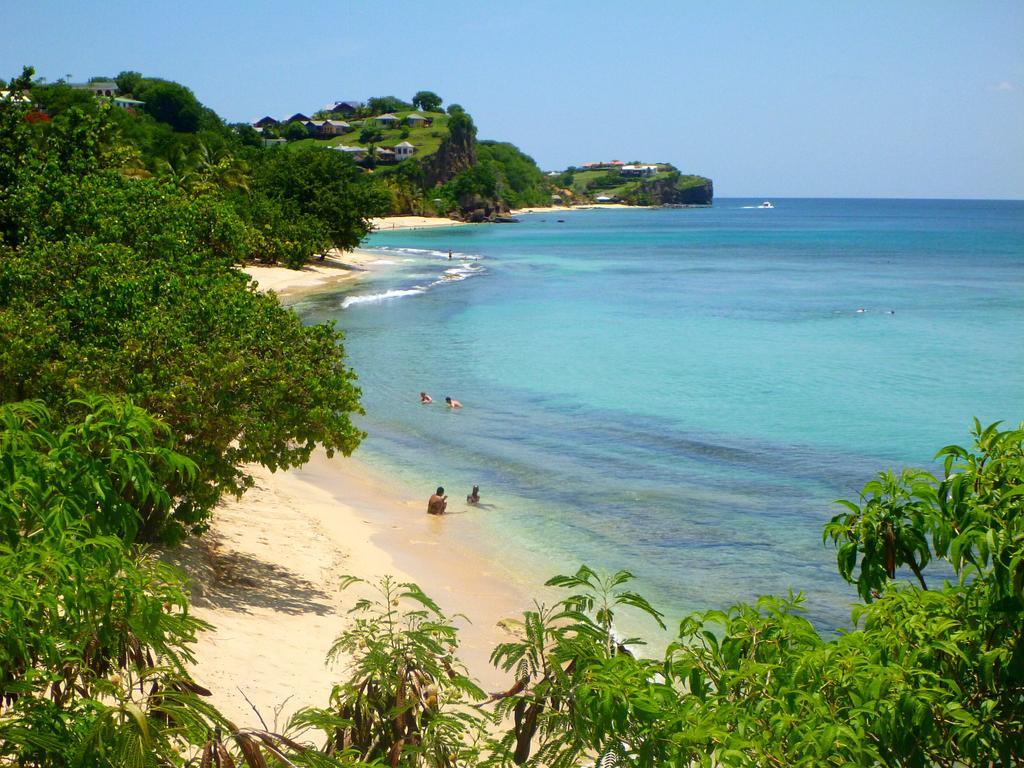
point(1004, 86)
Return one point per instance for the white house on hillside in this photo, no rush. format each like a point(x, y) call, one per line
point(388, 120)
point(354, 152)
point(126, 103)
point(17, 98)
point(404, 150)
point(334, 128)
point(99, 88)
point(415, 120)
point(639, 170)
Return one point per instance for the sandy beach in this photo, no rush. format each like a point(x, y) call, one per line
point(336, 267)
point(268, 573)
point(564, 208)
point(383, 223)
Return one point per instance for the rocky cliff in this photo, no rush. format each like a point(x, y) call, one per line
point(456, 153)
point(676, 190)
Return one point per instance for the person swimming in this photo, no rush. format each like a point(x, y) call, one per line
point(425, 398)
point(438, 502)
point(474, 496)
point(452, 403)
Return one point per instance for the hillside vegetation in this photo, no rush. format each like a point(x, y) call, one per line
point(426, 139)
point(451, 173)
point(666, 187)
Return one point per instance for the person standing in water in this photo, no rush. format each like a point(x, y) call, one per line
point(438, 503)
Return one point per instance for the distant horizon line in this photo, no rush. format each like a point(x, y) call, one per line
point(873, 197)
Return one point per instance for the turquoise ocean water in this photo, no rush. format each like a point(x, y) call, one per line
point(683, 392)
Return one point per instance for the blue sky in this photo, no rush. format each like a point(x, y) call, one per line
point(858, 99)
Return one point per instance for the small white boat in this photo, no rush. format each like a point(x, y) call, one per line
point(766, 204)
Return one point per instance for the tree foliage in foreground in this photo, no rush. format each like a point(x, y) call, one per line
point(405, 697)
point(928, 677)
point(931, 675)
point(95, 637)
point(95, 633)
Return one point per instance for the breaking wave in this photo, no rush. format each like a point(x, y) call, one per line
point(424, 252)
point(371, 298)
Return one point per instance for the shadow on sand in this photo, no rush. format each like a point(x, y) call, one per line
point(224, 579)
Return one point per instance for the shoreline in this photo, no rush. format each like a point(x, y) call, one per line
point(388, 223)
point(340, 266)
point(268, 573)
point(565, 208)
point(336, 267)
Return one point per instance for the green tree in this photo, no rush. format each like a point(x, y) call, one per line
point(96, 634)
point(888, 531)
point(16, 164)
point(93, 637)
point(575, 681)
point(427, 101)
point(296, 131)
point(88, 458)
point(371, 134)
point(189, 339)
point(127, 286)
point(57, 98)
point(248, 135)
point(378, 105)
point(171, 103)
point(520, 182)
point(128, 81)
point(404, 698)
point(326, 186)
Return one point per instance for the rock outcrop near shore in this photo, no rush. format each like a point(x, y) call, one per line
point(682, 190)
point(476, 209)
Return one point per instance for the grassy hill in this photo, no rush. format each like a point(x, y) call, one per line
point(613, 184)
point(425, 139)
point(498, 175)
